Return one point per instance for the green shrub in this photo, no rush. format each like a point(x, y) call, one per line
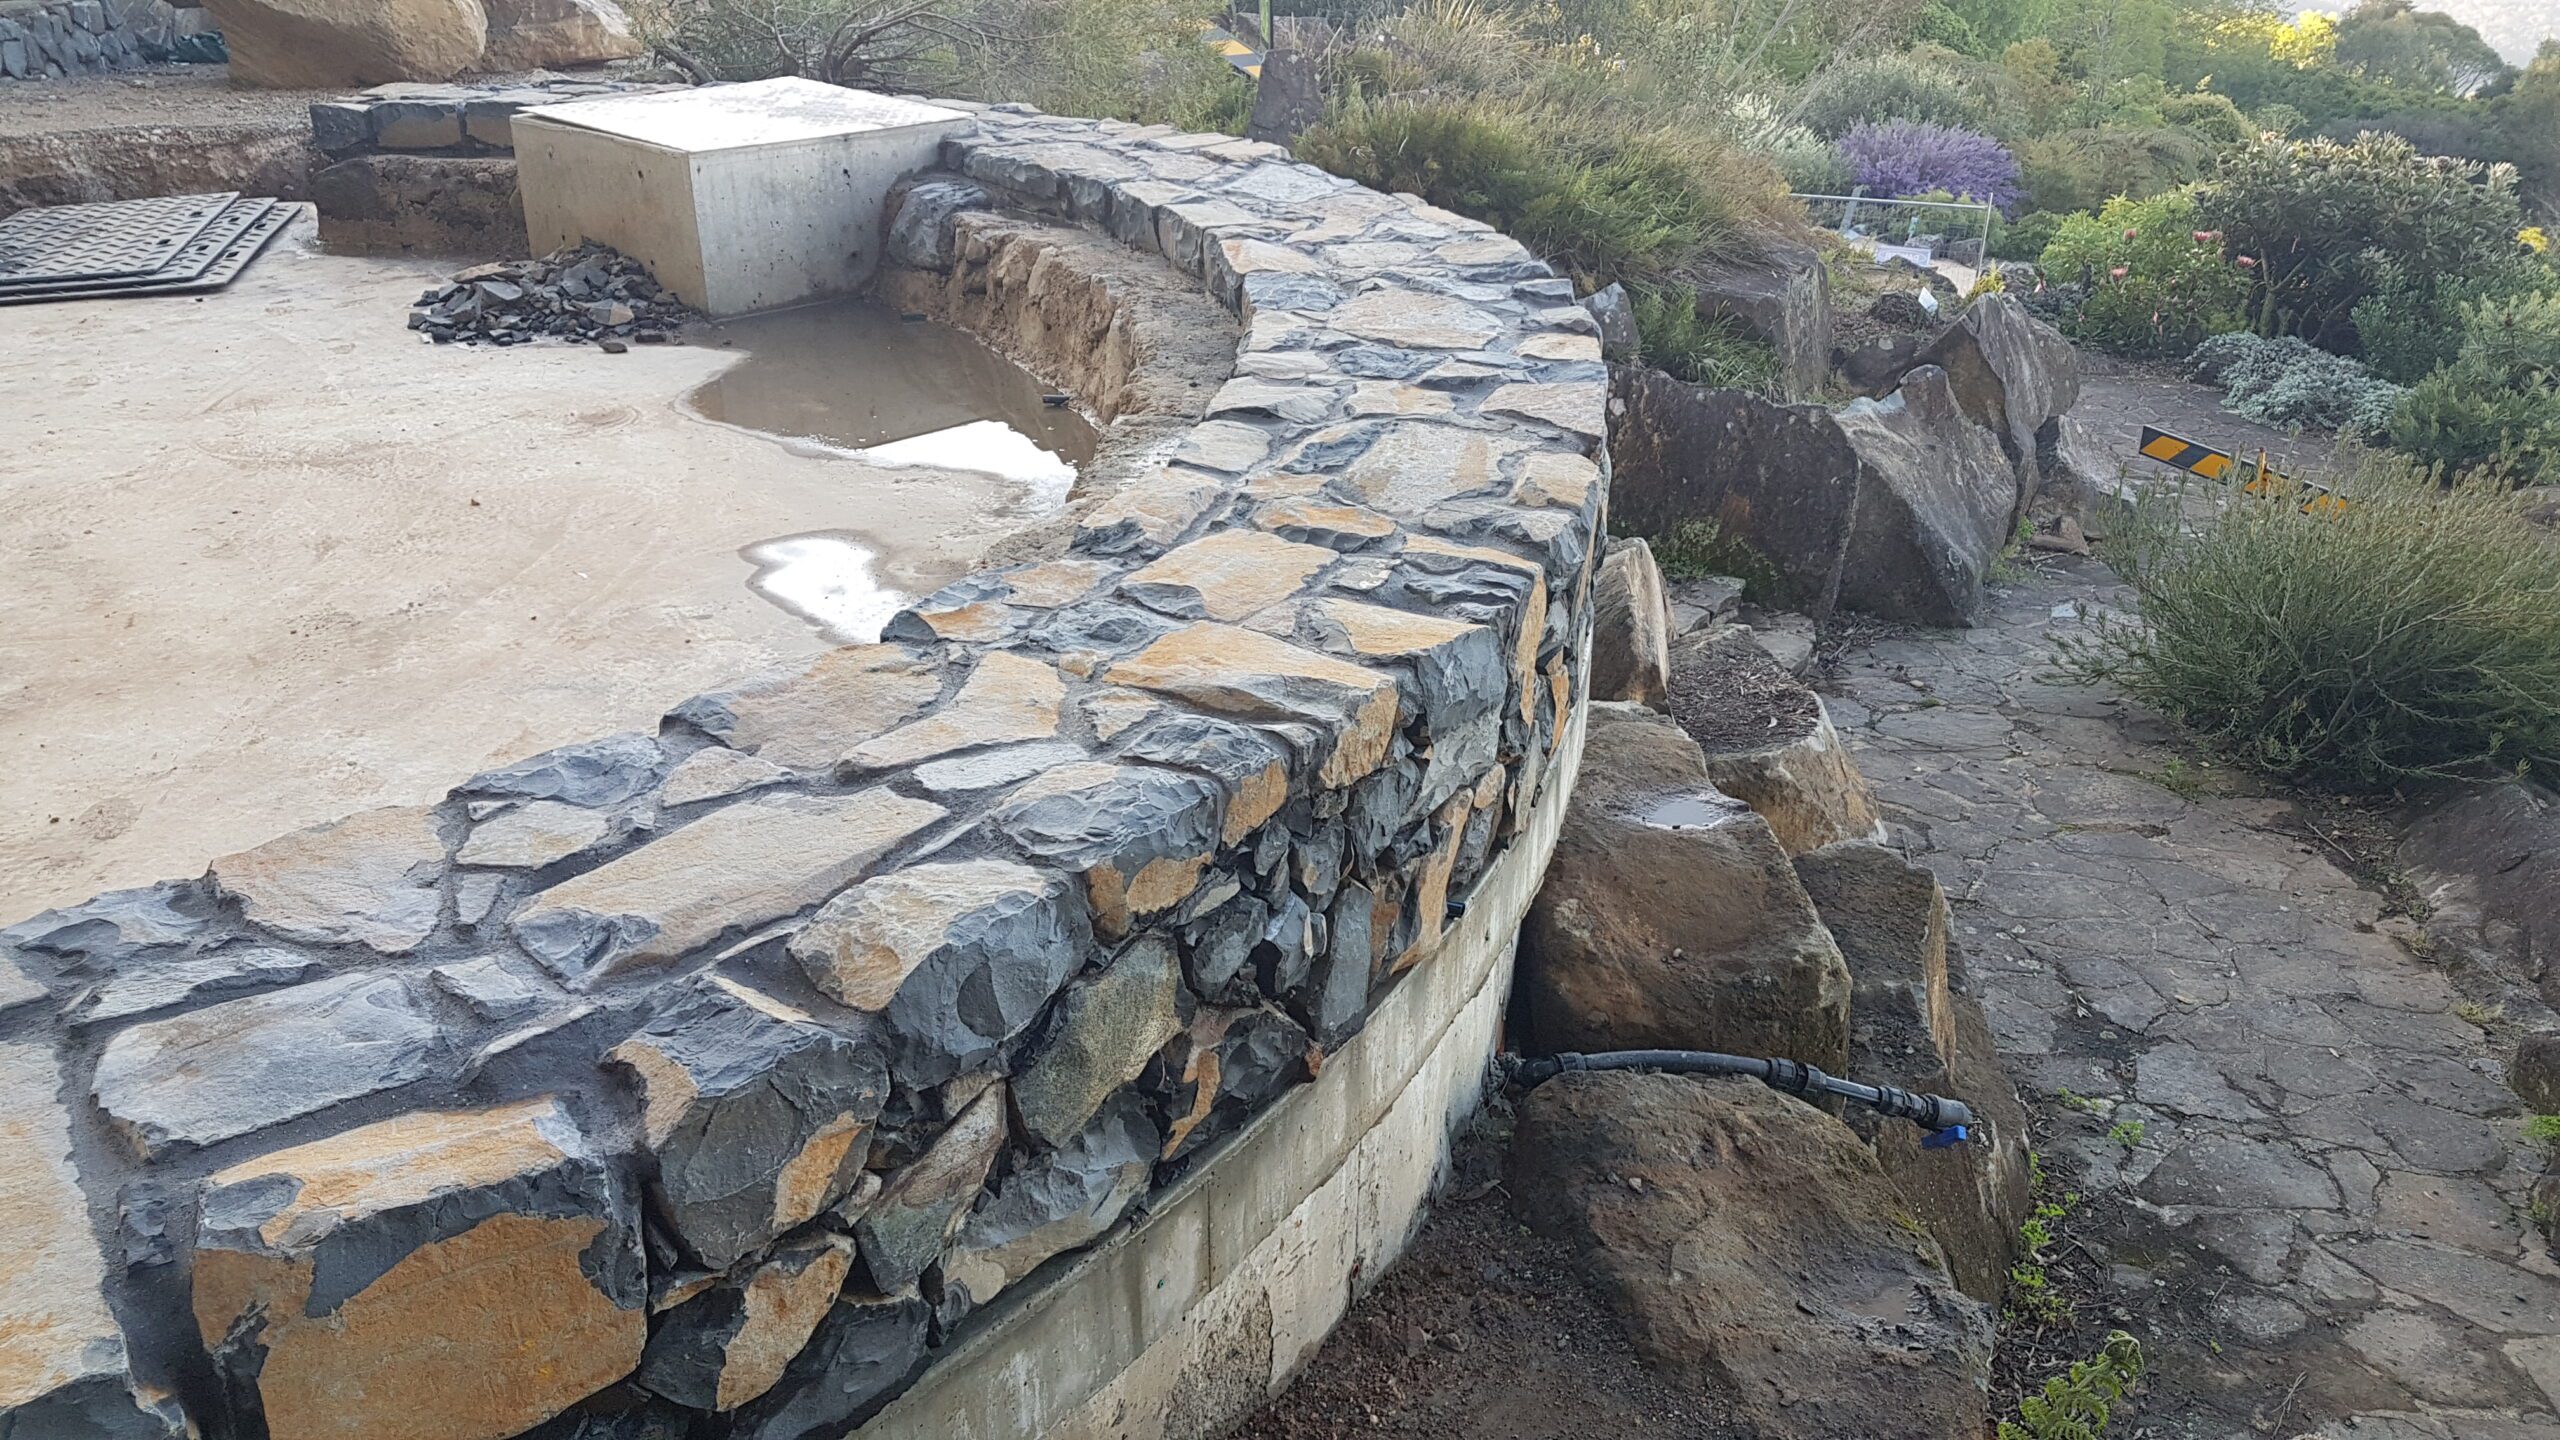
point(2084, 169)
point(2311, 216)
point(2208, 117)
point(2294, 386)
point(1703, 350)
point(1892, 85)
point(2157, 285)
point(2412, 632)
point(2412, 321)
point(2497, 405)
point(1117, 59)
point(2026, 237)
point(1606, 205)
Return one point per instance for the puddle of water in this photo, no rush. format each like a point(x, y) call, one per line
point(824, 578)
point(853, 379)
point(1694, 812)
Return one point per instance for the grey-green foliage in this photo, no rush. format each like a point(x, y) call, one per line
point(2294, 386)
point(2411, 632)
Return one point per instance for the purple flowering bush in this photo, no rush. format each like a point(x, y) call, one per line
point(1912, 157)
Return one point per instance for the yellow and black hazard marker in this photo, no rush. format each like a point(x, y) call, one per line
point(1240, 55)
point(2183, 454)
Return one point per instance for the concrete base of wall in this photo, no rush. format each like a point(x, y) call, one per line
point(1190, 1320)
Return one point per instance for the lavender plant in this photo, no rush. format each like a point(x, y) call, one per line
point(1909, 157)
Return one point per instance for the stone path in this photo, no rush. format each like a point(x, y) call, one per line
point(2302, 1175)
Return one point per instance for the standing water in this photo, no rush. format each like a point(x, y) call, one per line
point(853, 380)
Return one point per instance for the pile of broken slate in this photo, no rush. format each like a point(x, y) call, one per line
point(590, 292)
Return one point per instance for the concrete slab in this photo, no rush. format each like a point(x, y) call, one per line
point(273, 560)
point(739, 197)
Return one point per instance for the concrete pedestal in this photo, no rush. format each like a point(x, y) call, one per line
point(738, 197)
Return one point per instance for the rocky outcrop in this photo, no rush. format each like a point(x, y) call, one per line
point(2488, 860)
point(337, 44)
point(1912, 1024)
point(1630, 628)
point(1895, 507)
point(1752, 1249)
point(1769, 741)
point(709, 1078)
point(1670, 918)
point(550, 34)
point(1784, 298)
point(2012, 374)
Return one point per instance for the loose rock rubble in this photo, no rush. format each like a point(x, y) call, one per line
point(592, 292)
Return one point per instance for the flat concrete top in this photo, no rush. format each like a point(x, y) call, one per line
point(737, 117)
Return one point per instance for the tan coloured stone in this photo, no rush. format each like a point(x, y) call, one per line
point(1579, 407)
point(1415, 320)
point(1256, 676)
point(1560, 347)
point(1150, 514)
point(1139, 834)
point(1228, 445)
point(782, 1306)
point(544, 34)
point(922, 1206)
point(810, 719)
point(1413, 467)
point(1007, 698)
point(1227, 575)
point(1054, 582)
point(532, 836)
point(62, 1357)
point(716, 771)
point(1556, 479)
point(1255, 257)
point(979, 622)
point(517, 1266)
point(1249, 395)
point(862, 947)
point(1391, 397)
point(737, 867)
point(369, 879)
point(339, 44)
point(1314, 522)
point(1483, 249)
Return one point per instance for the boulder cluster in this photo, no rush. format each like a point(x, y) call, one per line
point(591, 292)
point(1720, 884)
point(329, 44)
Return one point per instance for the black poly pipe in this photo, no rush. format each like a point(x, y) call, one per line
point(1948, 1121)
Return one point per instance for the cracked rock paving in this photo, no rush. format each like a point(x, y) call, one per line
point(2301, 1179)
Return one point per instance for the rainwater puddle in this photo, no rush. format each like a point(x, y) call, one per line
point(853, 381)
point(1694, 812)
point(825, 578)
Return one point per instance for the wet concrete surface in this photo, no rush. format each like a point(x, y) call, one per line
point(276, 559)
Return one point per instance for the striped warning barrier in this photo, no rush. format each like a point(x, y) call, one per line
point(2180, 453)
point(1240, 55)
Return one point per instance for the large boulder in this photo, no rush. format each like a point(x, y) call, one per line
point(544, 34)
point(1783, 298)
point(1896, 507)
point(1630, 628)
point(1769, 741)
point(334, 44)
point(1753, 1249)
point(1910, 1024)
point(2012, 374)
point(2488, 859)
point(1669, 917)
point(1937, 502)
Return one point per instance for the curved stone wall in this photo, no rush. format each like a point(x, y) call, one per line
point(736, 1069)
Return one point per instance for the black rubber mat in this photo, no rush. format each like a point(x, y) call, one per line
point(209, 262)
point(106, 240)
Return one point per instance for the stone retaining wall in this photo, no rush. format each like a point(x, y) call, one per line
point(55, 39)
point(735, 1068)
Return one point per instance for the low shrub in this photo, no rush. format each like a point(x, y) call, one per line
point(2026, 237)
point(2411, 324)
point(1905, 157)
point(1703, 350)
point(2156, 284)
point(2293, 386)
point(2084, 169)
point(2411, 633)
point(2496, 407)
point(1893, 85)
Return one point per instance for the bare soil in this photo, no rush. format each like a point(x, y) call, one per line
point(1730, 696)
point(1483, 1330)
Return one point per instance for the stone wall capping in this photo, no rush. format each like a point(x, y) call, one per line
point(858, 992)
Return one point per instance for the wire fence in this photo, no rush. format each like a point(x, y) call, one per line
point(1918, 230)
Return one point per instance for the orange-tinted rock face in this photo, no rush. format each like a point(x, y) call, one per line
point(345, 1281)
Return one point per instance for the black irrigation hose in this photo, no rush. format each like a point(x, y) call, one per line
point(1949, 1122)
